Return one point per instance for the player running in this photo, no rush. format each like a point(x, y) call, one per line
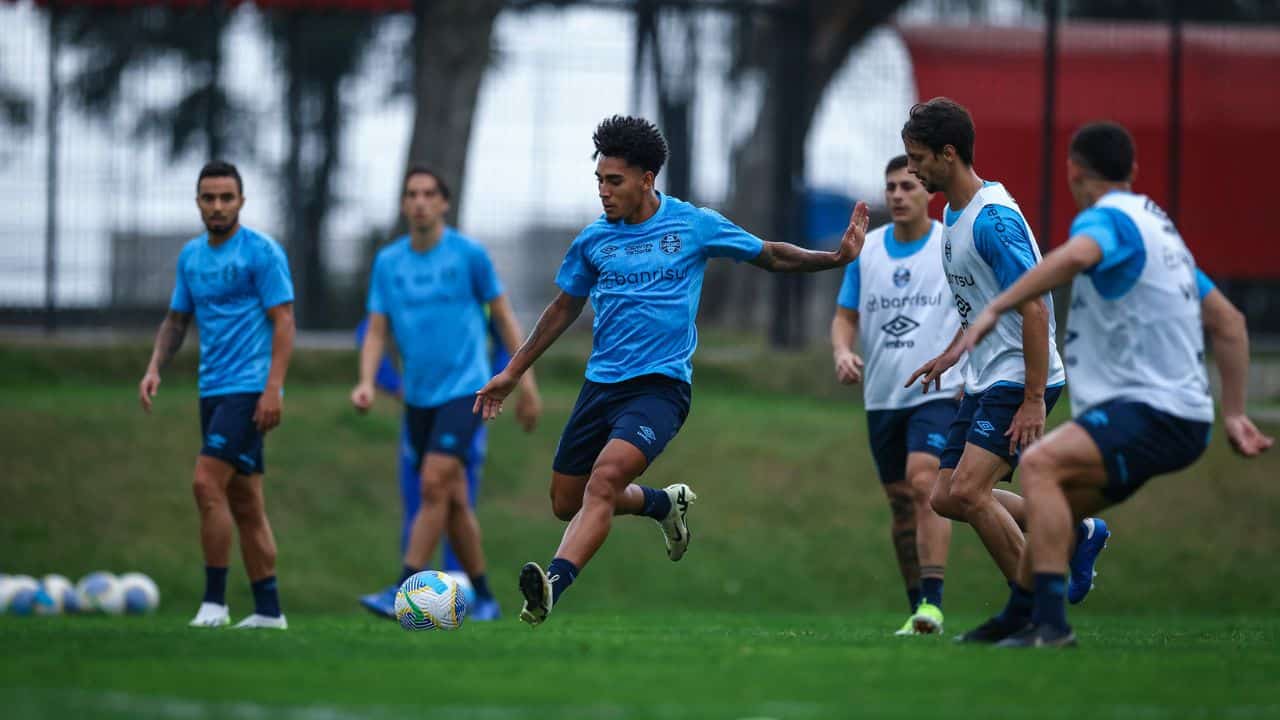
point(236, 282)
point(895, 301)
point(1135, 346)
point(431, 287)
point(641, 263)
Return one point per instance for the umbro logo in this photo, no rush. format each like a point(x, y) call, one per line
point(647, 434)
point(899, 326)
point(984, 427)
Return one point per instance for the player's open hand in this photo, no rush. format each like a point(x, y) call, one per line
point(1027, 426)
point(362, 397)
point(528, 408)
point(930, 373)
point(489, 398)
point(1245, 437)
point(854, 235)
point(270, 407)
point(978, 329)
point(848, 368)
point(147, 389)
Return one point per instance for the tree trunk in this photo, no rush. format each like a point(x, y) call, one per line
point(452, 48)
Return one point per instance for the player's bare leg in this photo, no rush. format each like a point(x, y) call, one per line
point(933, 543)
point(209, 487)
point(258, 549)
point(966, 495)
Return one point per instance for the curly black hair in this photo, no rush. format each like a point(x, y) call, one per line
point(635, 140)
point(939, 123)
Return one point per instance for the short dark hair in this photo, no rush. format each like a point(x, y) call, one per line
point(635, 140)
point(219, 168)
point(1105, 148)
point(424, 170)
point(941, 122)
point(897, 163)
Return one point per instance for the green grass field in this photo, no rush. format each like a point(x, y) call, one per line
point(782, 609)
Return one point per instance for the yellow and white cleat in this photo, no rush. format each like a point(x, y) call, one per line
point(675, 526)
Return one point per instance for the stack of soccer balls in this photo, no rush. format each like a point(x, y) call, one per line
point(97, 592)
point(431, 600)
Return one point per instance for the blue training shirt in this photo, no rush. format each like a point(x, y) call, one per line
point(434, 302)
point(645, 283)
point(1204, 285)
point(230, 288)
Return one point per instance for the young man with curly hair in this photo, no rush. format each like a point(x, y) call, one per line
point(641, 264)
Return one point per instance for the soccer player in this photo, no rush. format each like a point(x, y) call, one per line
point(1014, 378)
point(641, 263)
point(895, 301)
point(236, 281)
point(430, 288)
point(1139, 393)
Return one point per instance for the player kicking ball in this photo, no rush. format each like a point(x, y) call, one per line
point(641, 264)
point(1139, 393)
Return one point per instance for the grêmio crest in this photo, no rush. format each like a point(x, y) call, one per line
point(670, 243)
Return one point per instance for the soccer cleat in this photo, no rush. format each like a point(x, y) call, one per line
point(381, 603)
point(535, 586)
point(908, 628)
point(256, 621)
point(211, 615)
point(994, 630)
point(927, 620)
point(1037, 636)
point(1085, 555)
point(483, 610)
point(675, 528)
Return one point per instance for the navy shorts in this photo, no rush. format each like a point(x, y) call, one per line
point(1139, 442)
point(646, 411)
point(226, 423)
point(984, 418)
point(448, 429)
point(895, 433)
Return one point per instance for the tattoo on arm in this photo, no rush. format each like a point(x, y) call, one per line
point(170, 336)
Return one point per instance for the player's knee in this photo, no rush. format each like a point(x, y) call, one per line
point(565, 506)
point(1037, 468)
point(603, 485)
point(902, 502)
point(208, 492)
point(246, 507)
point(943, 504)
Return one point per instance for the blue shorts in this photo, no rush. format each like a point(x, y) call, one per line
point(448, 429)
point(1139, 442)
point(230, 435)
point(983, 420)
point(895, 433)
point(646, 411)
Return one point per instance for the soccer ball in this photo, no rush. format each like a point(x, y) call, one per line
point(429, 600)
point(101, 593)
point(464, 584)
point(140, 593)
point(62, 596)
point(18, 594)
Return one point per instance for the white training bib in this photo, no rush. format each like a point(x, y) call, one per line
point(1147, 344)
point(998, 358)
point(905, 318)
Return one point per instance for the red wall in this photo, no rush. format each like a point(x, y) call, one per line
point(1230, 115)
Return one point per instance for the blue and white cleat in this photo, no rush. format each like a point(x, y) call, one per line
point(484, 610)
point(211, 615)
point(381, 603)
point(1094, 538)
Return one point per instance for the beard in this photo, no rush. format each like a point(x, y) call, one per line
point(221, 227)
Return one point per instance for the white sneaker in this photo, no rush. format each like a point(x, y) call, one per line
point(535, 586)
point(211, 615)
point(675, 529)
point(262, 621)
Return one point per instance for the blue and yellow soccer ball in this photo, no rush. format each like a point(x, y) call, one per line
point(430, 600)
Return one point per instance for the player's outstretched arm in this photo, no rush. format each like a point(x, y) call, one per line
point(1058, 268)
point(173, 330)
point(931, 372)
point(371, 354)
point(271, 403)
point(1229, 336)
point(529, 404)
point(785, 257)
point(844, 329)
point(557, 318)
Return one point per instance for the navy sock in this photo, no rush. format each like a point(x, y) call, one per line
point(481, 585)
point(266, 601)
point(1020, 604)
point(913, 597)
point(215, 585)
point(657, 504)
point(931, 588)
point(405, 573)
point(562, 574)
point(1051, 601)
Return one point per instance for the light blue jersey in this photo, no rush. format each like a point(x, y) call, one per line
point(645, 283)
point(230, 288)
point(434, 302)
